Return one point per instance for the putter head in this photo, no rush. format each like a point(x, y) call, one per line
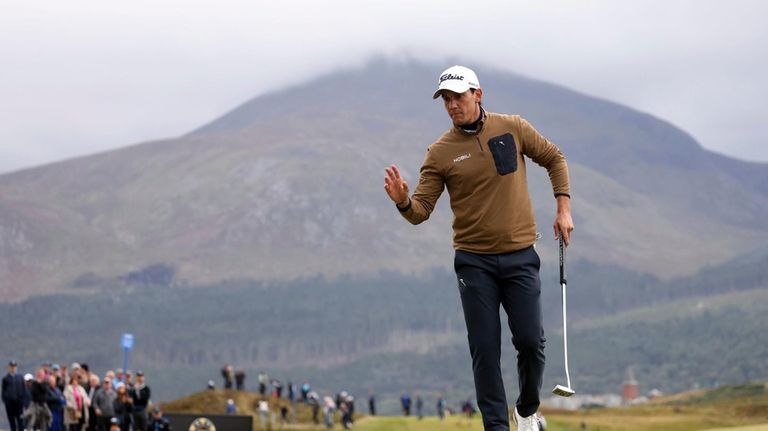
point(563, 391)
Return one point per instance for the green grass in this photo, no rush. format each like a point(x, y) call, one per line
point(392, 423)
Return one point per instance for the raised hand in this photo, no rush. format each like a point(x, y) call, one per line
point(395, 186)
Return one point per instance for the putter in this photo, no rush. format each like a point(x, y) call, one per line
point(564, 391)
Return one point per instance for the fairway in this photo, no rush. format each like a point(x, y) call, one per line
point(431, 423)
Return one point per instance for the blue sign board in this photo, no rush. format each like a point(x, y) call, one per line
point(127, 341)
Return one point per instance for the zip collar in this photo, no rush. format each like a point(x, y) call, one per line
point(474, 128)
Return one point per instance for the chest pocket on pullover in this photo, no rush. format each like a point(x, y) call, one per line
point(504, 153)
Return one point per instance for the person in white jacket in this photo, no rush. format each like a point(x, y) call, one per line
point(76, 412)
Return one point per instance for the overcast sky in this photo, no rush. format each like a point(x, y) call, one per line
point(78, 77)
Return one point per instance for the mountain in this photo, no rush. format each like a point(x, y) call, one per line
point(290, 185)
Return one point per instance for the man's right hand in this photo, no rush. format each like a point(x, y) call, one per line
point(395, 186)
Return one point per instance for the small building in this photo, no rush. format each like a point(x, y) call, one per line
point(631, 390)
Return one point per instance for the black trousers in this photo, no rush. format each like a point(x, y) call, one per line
point(14, 410)
point(486, 283)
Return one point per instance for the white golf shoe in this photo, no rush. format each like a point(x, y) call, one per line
point(530, 423)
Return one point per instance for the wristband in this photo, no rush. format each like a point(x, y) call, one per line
point(405, 208)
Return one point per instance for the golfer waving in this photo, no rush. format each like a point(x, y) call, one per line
point(480, 161)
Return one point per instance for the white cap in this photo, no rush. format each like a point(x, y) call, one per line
point(28, 377)
point(457, 79)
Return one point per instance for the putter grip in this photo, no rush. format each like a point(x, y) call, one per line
point(562, 260)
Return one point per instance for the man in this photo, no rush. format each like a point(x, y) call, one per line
point(228, 374)
point(140, 394)
point(159, 423)
point(103, 403)
point(14, 393)
point(405, 402)
point(240, 379)
point(128, 380)
point(440, 407)
point(371, 404)
point(263, 381)
point(480, 161)
point(93, 386)
point(38, 416)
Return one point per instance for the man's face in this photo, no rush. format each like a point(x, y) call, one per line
point(463, 108)
point(12, 369)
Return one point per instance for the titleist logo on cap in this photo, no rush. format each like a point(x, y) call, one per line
point(448, 76)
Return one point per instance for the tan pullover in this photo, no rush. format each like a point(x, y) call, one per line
point(485, 176)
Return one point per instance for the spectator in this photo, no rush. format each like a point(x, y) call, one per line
point(123, 407)
point(128, 380)
point(419, 407)
point(76, 371)
point(440, 407)
point(159, 423)
point(263, 381)
point(211, 385)
point(371, 404)
point(263, 414)
point(346, 407)
point(104, 405)
point(351, 404)
point(468, 409)
point(231, 408)
point(77, 403)
point(56, 402)
point(228, 375)
point(114, 424)
point(63, 373)
point(405, 401)
point(305, 388)
point(329, 407)
point(55, 371)
point(140, 394)
point(240, 379)
point(314, 401)
point(291, 392)
point(277, 388)
point(86, 377)
point(93, 386)
point(27, 400)
point(37, 417)
point(14, 394)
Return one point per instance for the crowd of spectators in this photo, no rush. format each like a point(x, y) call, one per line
point(61, 398)
point(324, 409)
